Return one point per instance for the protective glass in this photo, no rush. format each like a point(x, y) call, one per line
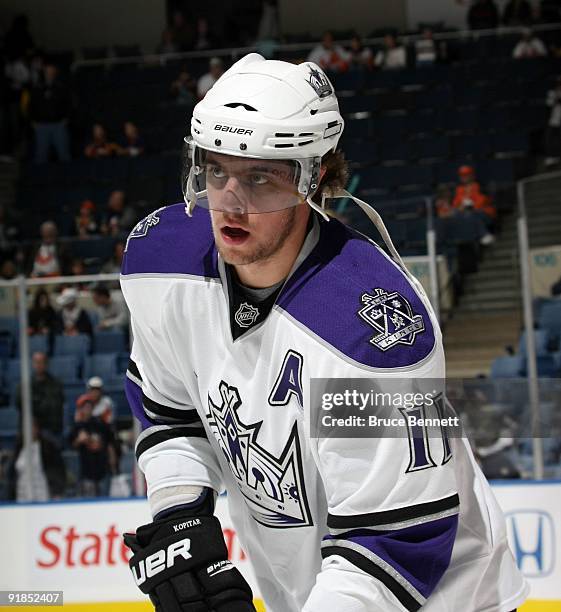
point(242, 184)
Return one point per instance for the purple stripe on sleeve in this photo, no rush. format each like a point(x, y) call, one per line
point(134, 397)
point(420, 553)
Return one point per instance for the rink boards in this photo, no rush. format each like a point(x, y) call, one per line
point(77, 547)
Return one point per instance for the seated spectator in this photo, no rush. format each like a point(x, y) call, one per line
point(51, 258)
point(529, 46)
point(103, 407)
point(517, 12)
point(86, 221)
point(205, 83)
point(167, 44)
point(203, 37)
point(95, 442)
point(444, 206)
point(182, 31)
point(113, 313)
point(47, 396)
point(8, 270)
point(42, 316)
point(359, 56)
point(49, 109)
point(100, 145)
point(393, 56)
point(48, 472)
point(468, 194)
point(132, 143)
point(483, 15)
point(9, 235)
point(184, 89)
point(426, 53)
point(553, 130)
point(115, 263)
point(329, 56)
point(72, 319)
point(119, 218)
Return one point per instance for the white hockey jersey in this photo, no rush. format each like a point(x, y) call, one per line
point(329, 524)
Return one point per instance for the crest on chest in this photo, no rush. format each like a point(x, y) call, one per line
point(272, 483)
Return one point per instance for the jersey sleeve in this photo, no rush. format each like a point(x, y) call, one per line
point(173, 450)
point(392, 516)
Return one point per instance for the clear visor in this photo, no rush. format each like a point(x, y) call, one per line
point(245, 185)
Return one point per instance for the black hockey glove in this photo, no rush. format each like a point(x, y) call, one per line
point(181, 562)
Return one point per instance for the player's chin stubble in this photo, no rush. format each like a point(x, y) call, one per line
point(265, 248)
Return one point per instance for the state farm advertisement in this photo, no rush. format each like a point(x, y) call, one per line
point(78, 548)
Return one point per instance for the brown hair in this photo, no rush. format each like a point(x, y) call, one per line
point(336, 173)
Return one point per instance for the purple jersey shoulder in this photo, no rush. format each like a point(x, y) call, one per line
point(351, 295)
point(167, 241)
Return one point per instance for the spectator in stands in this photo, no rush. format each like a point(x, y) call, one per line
point(100, 146)
point(72, 319)
point(95, 442)
point(205, 83)
point(203, 37)
point(184, 89)
point(167, 44)
point(49, 110)
point(553, 130)
point(9, 235)
point(47, 396)
point(51, 257)
point(8, 270)
point(113, 313)
point(393, 56)
point(182, 31)
point(517, 12)
point(86, 221)
point(426, 53)
point(16, 80)
point(119, 217)
point(115, 263)
point(132, 143)
point(42, 316)
point(103, 407)
point(443, 204)
point(329, 56)
point(469, 196)
point(483, 15)
point(529, 46)
point(359, 56)
point(268, 28)
point(48, 472)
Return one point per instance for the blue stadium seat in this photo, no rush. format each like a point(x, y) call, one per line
point(432, 148)
point(9, 324)
point(541, 338)
point(550, 317)
point(38, 344)
point(65, 367)
point(474, 145)
point(507, 367)
point(78, 345)
point(109, 342)
point(9, 421)
point(6, 345)
point(512, 143)
point(101, 365)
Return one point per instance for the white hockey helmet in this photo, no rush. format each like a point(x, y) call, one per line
point(268, 110)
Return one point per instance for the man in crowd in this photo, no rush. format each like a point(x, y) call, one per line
point(47, 396)
point(113, 314)
point(216, 70)
point(49, 110)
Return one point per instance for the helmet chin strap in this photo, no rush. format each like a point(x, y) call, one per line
point(370, 213)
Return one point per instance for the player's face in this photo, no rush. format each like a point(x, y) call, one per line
point(244, 239)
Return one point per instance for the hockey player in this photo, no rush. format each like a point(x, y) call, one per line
point(235, 307)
